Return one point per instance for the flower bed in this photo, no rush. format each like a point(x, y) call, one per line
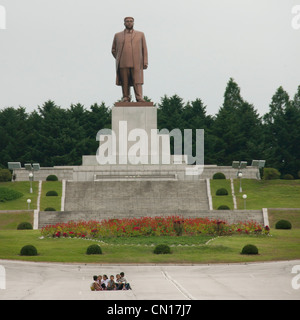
point(150, 226)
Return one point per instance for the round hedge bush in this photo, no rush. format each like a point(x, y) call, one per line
point(29, 250)
point(50, 209)
point(283, 224)
point(249, 249)
point(52, 177)
point(288, 177)
point(223, 207)
point(25, 226)
point(5, 175)
point(219, 175)
point(162, 249)
point(51, 193)
point(222, 192)
point(94, 249)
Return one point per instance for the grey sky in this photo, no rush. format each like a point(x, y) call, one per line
point(61, 50)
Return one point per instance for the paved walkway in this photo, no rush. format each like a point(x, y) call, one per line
point(47, 281)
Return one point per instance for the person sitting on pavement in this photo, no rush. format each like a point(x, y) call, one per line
point(105, 280)
point(118, 282)
point(123, 280)
point(95, 286)
point(111, 285)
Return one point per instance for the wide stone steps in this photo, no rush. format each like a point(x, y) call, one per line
point(125, 196)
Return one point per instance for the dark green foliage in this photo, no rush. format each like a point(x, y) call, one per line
point(219, 175)
point(270, 174)
point(5, 175)
point(51, 193)
point(223, 207)
point(52, 135)
point(29, 250)
point(288, 177)
point(50, 209)
point(52, 177)
point(249, 249)
point(94, 249)
point(25, 226)
point(222, 192)
point(283, 224)
point(7, 194)
point(282, 134)
point(162, 249)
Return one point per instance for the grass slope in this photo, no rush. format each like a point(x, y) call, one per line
point(21, 203)
point(268, 193)
point(221, 200)
point(53, 202)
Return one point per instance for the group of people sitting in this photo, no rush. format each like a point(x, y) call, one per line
point(103, 283)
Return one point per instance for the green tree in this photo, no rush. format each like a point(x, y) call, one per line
point(282, 133)
point(238, 129)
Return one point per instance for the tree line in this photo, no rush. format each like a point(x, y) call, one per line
point(55, 136)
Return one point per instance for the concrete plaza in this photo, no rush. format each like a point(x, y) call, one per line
point(49, 281)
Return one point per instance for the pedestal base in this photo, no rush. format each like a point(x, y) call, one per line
point(134, 138)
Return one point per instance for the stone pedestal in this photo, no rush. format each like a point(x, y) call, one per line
point(134, 138)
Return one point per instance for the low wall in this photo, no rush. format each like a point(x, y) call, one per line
point(231, 216)
point(88, 173)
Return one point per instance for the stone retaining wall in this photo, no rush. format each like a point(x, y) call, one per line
point(231, 216)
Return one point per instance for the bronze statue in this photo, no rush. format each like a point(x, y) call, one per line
point(130, 51)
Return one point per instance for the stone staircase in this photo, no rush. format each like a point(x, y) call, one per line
point(140, 197)
point(97, 200)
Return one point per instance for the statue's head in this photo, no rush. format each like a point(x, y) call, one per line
point(129, 22)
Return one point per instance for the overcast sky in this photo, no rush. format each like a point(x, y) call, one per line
point(61, 50)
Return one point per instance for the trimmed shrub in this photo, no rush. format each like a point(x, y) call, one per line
point(283, 224)
point(5, 175)
point(219, 175)
point(50, 209)
point(249, 249)
point(94, 249)
point(162, 249)
point(25, 226)
point(271, 174)
point(51, 193)
point(9, 194)
point(223, 207)
point(29, 250)
point(288, 177)
point(52, 177)
point(222, 192)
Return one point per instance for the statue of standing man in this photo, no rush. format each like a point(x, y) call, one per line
point(130, 51)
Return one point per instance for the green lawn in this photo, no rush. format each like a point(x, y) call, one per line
point(260, 193)
point(10, 221)
point(21, 203)
point(280, 245)
point(290, 215)
point(53, 202)
point(24, 187)
point(221, 200)
point(268, 193)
